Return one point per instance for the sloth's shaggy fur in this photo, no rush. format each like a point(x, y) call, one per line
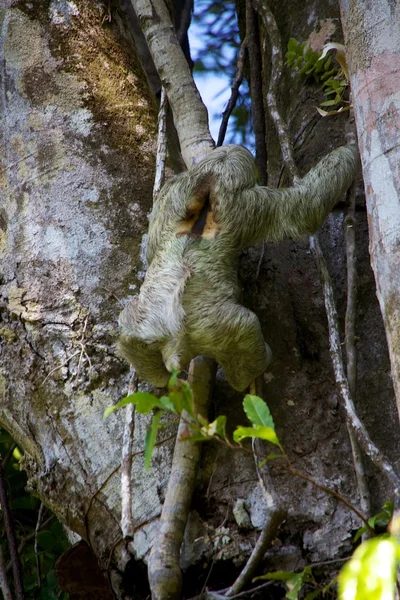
point(189, 301)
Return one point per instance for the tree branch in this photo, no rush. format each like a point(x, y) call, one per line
point(350, 343)
point(237, 82)
point(4, 585)
point(256, 91)
point(126, 465)
point(164, 570)
point(190, 114)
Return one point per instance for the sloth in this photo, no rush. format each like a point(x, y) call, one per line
point(189, 301)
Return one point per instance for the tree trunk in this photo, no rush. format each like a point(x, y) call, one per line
point(77, 152)
point(372, 36)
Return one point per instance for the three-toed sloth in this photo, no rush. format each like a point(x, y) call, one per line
point(189, 301)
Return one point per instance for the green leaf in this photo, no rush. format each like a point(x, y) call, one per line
point(329, 102)
point(144, 402)
point(359, 533)
point(290, 56)
point(276, 576)
point(257, 411)
point(370, 574)
point(167, 404)
point(293, 45)
point(388, 507)
point(151, 437)
point(46, 540)
point(181, 395)
point(264, 433)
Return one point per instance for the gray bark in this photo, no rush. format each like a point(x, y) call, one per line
point(372, 35)
point(77, 152)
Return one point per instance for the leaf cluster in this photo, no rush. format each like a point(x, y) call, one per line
point(180, 402)
point(318, 68)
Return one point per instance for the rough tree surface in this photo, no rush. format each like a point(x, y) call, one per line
point(77, 151)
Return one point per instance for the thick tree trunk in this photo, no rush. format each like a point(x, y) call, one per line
point(372, 36)
point(77, 152)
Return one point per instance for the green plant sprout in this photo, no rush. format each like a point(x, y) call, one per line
point(369, 574)
point(319, 67)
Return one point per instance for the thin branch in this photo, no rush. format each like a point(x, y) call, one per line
point(41, 512)
point(10, 532)
point(185, 17)
point(126, 465)
point(256, 91)
point(31, 536)
point(190, 114)
point(360, 432)
point(350, 343)
point(237, 82)
point(275, 516)
point(4, 585)
point(165, 575)
point(377, 457)
point(271, 27)
point(161, 157)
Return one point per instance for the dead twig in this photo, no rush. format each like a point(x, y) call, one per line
point(41, 512)
point(237, 82)
point(256, 91)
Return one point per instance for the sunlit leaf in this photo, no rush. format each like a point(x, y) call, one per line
point(370, 574)
point(144, 402)
point(264, 433)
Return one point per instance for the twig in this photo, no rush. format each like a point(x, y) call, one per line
point(190, 114)
point(273, 90)
point(12, 541)
point(237, 82)
point(377, 457)
point(161, 144)
point(256, 91)
point(126, 465)
point(185, 16)
point(4, 585)
point(165, 575)
point(350, 343)
point(31, 536)
point(276, 514)
point(41, 512)
point(360, 432)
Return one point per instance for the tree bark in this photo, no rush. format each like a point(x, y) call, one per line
point(77, 153)
point(372, 36)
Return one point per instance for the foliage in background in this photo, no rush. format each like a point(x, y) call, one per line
point(51, 540)
point(215, 23)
